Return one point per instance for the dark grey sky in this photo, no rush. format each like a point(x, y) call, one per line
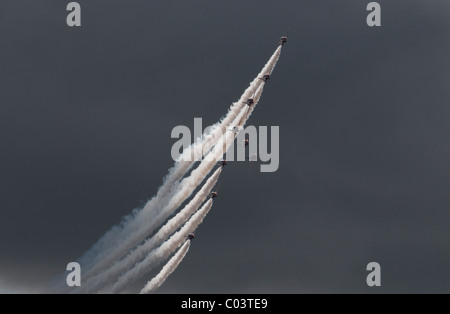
point(86, 116)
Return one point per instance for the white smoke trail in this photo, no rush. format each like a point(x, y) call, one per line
point(163, 233)
point(249, 109)
point(104, 250)
point(167, 270)
point(249, 92)
point(137, 232)
point(163, 252)
point(189, 184)
point(96, 258)
point(184, 190)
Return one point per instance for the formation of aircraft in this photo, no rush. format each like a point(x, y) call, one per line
point(236, 129)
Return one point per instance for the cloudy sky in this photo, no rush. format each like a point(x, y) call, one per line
point(86, 116)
